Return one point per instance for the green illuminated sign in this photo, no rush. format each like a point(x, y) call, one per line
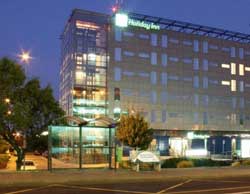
point(122, 20)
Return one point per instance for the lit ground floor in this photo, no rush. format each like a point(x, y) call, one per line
point(202, 144)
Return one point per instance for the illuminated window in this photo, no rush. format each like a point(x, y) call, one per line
point(205, 47)
point(118, 56)
point(233, 118)
point(225, 83)
point(241, 53)
point(241, 69)
point(164, 41)
point(121, 20)
point(79, 77)
point(247, 68)
point(164, 60)
point(153, 58)
point(196, 46)
point(227, 66)
point(233, 68)
point(233, 85)
point(154, 39)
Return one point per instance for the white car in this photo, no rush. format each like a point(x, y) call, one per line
point(28, 165)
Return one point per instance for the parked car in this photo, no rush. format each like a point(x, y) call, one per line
point(45, 154)
point(28, 165)
point(37, 153)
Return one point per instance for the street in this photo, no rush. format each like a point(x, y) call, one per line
point(236, 185)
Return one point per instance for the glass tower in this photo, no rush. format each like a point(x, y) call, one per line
point(83, 85)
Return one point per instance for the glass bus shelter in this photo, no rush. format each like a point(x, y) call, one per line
point(81, 147)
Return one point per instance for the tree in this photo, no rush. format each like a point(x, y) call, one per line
point(25, 107)
point(133, 131)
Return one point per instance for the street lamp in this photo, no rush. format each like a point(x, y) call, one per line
point(25, 56)
point(7, 100)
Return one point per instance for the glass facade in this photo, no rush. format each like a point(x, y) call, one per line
point(65, 145)
point(83, 85)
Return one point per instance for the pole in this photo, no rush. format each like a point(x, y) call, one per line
point(80, 146)
point(110, 151)
point(50, 149)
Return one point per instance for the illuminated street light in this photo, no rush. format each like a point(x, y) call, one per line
point(25, 57)
point(7, 100)
point(9, 112)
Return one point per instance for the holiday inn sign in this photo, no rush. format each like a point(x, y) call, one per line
point(122, 20)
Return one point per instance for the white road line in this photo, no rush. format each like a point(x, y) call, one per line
point(104, 189)
point(20, 191)
point(211, 190)
point(174, 186)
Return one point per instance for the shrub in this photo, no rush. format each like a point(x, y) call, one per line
point(172, 163)
point(185, 164)
point(245, 163)
point(236, 164)
point(125, 164)
point(4, 158)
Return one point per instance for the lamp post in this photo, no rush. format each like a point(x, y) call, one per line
point(25, 58)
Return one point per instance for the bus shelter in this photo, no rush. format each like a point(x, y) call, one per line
point(88, 146)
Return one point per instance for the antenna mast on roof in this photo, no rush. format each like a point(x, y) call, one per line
point(118, 6)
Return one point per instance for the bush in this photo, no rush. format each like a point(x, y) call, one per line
point(245, 163)
point(236, 164)
point(125, 164)
point(4, 146)
point(4, 158)
point(185, 164)
point(172, 163)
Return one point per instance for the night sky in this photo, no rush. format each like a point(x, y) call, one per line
point(36, 25)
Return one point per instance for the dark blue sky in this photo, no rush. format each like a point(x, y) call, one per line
point(36, 24)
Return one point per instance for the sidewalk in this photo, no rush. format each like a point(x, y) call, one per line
point(90, 177)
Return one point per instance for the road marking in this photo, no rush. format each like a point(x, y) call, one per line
point(20, 191)
point(104, 189)
point(210, 190)
point(200, 180)
point(27, 190)
point(247, 192)
point(174, 186)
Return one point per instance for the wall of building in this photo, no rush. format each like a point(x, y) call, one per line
point(178, 80)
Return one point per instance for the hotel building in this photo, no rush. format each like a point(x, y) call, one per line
point(191, 82)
